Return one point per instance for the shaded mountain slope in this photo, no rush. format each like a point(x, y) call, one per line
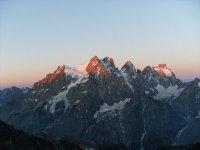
point(110, 106)
point(14, 139)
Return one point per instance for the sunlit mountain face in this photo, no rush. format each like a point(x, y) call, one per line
point(123, 108)
point(162, 69)
point(28, 81)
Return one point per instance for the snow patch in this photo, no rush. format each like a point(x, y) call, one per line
point(146, 92)
point(142, 139)
point(116, 106)
point(46, 90)
point(197, 96)
point(33, 92)
point(62, 96)
point(198, 84)
point(82, 68)
point(77, 101)
point(170, 92)
point(167, 72)
point(45, 107)
point(163, 69)
point(180, 132)
point(75, 72)
point(84, 92)
point(144, 131)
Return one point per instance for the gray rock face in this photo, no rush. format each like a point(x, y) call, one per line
point(189, 133)
point(160, 83)
point(140, 110)
point(188, 103)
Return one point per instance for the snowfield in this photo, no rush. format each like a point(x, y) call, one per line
point(116, 106)
point(78, 77)
point(170, 92)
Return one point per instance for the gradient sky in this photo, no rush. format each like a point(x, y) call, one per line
point(37, 36)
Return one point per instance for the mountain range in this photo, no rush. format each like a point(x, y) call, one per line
point(97, 102)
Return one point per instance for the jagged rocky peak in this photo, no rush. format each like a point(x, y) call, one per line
point(148, 71)
point(60, 69)
point(197, 79)
point(162, 69)
point(197, 82)
point(108, 63)
point(51, 76)
point(96, 66)
point(129, 68)
point(129, 65)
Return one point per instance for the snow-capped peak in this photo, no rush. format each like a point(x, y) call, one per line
point(162, 69)
point(96, 66)
point(82, 68)
point(74, 71)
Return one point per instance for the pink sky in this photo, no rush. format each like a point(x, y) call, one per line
point(36, 36)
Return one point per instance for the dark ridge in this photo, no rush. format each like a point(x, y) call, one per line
point(14, 139)
point(195, 146)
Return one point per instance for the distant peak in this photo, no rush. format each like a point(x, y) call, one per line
point(94, 61)
point(14, 87)
point(108, 59)
point(129, 68)
point(162, 69)
point(108, 63)
point(162, 66)
point(147, 69)
point(196, 79)
point(51, 76)
point(60, 68)
point(94, 58)
point(95, 66)
point(128, 64)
